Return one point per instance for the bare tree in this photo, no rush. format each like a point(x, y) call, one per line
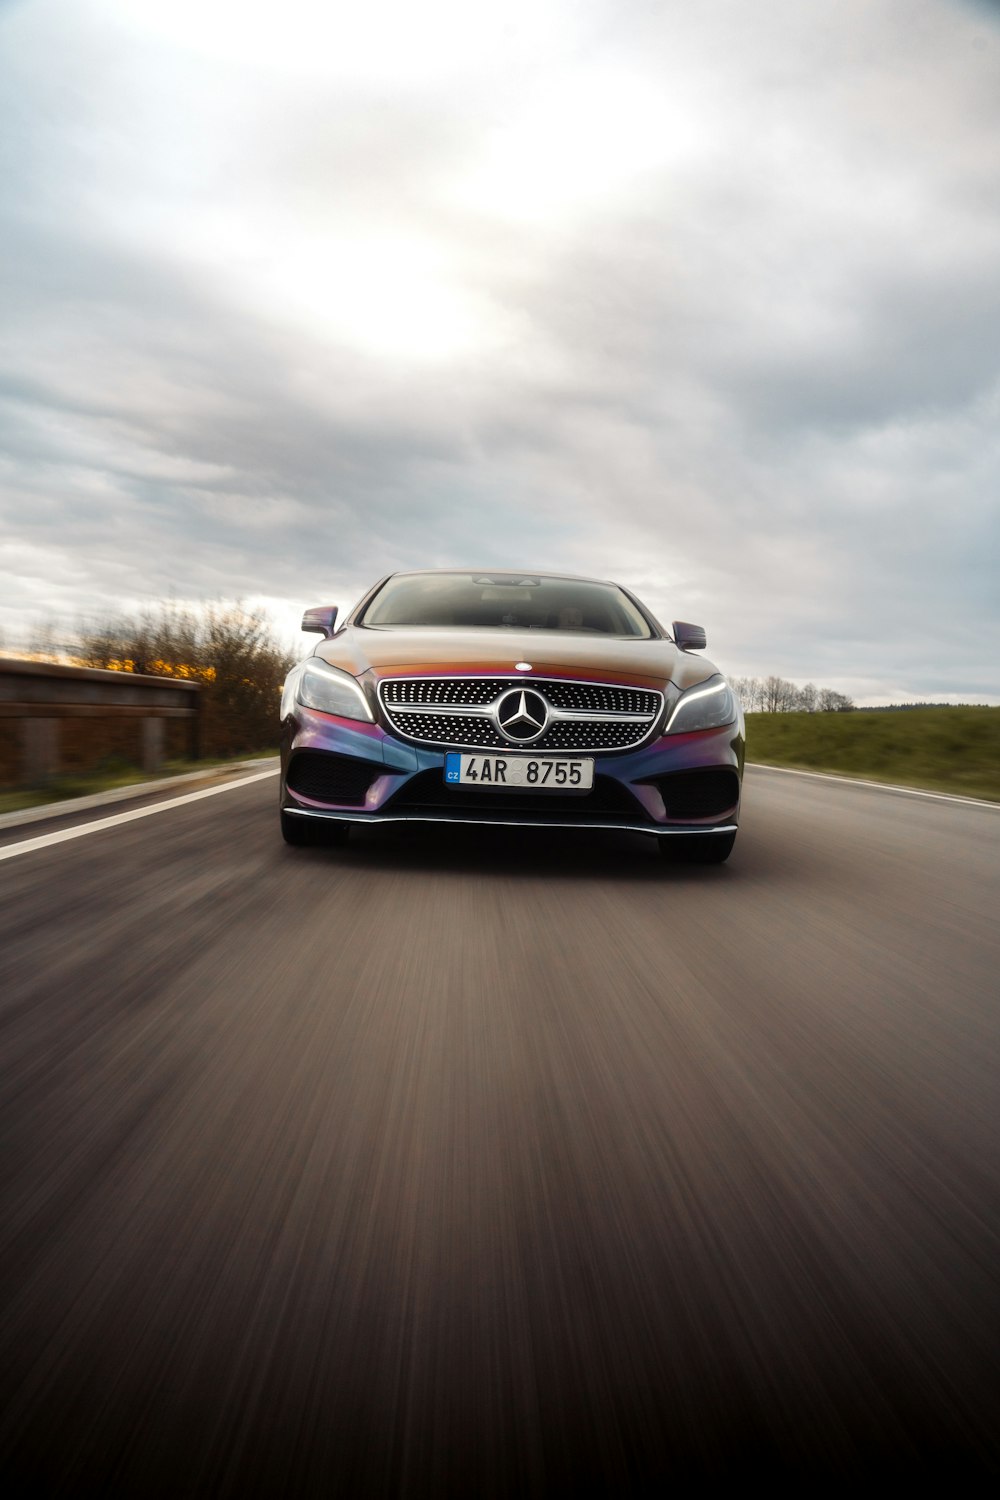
point(749, 690)
point(779, 695)
point(831, 702)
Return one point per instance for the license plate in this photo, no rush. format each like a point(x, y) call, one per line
point(534, 772)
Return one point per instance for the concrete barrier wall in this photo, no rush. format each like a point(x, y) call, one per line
point(55, 718)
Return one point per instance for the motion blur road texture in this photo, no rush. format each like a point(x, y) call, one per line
point(484, 1163)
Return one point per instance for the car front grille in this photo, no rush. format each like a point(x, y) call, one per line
point(462, 712)
point(336, 780)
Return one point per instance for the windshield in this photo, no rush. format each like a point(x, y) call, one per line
point(513, 601)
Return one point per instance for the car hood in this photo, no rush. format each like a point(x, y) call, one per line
point(408, 651)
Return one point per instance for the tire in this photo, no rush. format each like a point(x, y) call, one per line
point(306, 833)
point(698, 849)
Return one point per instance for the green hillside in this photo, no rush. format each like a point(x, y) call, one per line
point(953, 750)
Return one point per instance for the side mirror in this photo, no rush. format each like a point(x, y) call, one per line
point(320, 621)
point(689, 637)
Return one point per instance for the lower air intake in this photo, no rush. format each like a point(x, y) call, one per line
point(692, 795)
point(336, 780)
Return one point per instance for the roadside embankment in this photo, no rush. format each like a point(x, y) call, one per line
point(954, 750)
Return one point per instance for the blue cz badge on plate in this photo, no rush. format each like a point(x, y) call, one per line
point(453, 768)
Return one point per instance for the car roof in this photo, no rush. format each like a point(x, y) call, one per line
point(493, 573)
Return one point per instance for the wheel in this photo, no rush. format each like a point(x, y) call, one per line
point(308, 833)
point(698, 849)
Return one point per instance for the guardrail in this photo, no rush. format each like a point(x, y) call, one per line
point(39, 700)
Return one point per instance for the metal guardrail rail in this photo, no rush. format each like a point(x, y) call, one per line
point(35, 697)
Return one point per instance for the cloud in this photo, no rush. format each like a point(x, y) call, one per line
point(676, 294)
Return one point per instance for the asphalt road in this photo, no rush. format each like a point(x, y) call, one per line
point(499, 1163)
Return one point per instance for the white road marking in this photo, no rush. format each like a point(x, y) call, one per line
point(60, 835)
point(879, 786)
point(46, 811)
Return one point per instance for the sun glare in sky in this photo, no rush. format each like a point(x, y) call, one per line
point(387, 40)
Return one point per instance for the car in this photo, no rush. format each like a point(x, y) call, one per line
point(538, 700)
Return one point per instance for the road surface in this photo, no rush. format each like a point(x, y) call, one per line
point(500, 1163)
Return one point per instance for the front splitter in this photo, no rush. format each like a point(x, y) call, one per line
point(481, 821)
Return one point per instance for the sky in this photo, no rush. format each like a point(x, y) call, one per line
point(701, 298)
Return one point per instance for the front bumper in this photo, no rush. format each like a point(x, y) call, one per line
point(344, 770)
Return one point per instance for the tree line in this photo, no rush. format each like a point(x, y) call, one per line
point(776, 695)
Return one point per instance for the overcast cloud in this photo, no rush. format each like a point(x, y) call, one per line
point(705, 298)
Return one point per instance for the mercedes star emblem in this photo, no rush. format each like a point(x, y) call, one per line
point(522, 716)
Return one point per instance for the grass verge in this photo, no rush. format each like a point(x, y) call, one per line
point(106, 778)
point(954, 750)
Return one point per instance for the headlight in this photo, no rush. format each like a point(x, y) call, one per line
point(332, 692)
point(706, 706)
